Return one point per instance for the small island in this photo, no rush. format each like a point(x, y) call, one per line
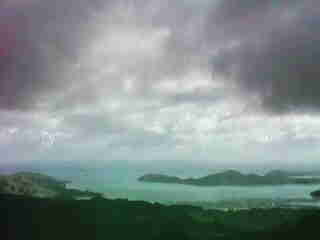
point(232, 178)
point(40, 185)
point(36, 206)
point(315, 195)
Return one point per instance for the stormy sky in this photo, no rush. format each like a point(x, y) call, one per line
point(218, 83)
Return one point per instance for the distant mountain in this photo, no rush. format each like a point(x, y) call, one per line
point(279, 173)
point(232, 177)
point(314, 173)
point(160, 178)
point(38, 185)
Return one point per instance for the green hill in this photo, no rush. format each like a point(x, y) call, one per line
point(232, 177)
point(51, 219)
point(39, 185)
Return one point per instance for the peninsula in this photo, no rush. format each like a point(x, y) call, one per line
point(40, 185)
point(232, 178)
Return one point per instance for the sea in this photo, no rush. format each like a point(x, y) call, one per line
point(121, 183)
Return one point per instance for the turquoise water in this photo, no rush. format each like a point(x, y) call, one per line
point(122, 183)
point(173, 192)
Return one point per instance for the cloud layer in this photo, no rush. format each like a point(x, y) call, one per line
point(149, 79)
point(275, 52)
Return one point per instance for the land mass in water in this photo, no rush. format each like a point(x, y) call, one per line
point(315, 194)
point(232, 177)
point(40, 185)
point(36, 206)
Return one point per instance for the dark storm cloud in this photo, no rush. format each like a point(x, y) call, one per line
point(48, 37)
point(275, 51)
point(36, 38)
point(269, 48)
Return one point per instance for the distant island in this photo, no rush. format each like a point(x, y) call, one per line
point(233, 178)
point(40, 185)
point(315, 195)
point(36, 206)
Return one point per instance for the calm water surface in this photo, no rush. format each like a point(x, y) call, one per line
point(122, 183)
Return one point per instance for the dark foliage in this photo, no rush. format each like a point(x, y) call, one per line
point(99, 218)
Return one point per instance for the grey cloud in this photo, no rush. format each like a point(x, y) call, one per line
point(50, 36)
point(277, 53)
point(269, 48)
point(41, 36)
point(203, 98)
